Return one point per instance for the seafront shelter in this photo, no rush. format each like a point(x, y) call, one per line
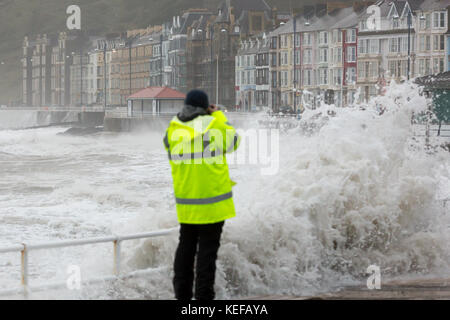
point(153, 101)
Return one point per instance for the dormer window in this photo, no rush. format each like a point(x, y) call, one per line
point(364, 25)
point(395, 22)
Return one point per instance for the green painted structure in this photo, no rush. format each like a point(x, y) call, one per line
point(438, 87)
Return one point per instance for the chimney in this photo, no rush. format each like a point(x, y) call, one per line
point(320, 9)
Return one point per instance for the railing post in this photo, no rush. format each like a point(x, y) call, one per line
point(117, 257)
point(24, 270)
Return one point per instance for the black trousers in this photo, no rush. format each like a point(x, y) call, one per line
point(206, 240)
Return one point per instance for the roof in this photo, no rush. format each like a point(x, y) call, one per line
point(343, 18)
point(429, 5)
point(157, 93)
point(438, 81)
point(188, 18)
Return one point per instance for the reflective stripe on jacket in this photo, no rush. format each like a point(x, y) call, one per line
point(197, 152)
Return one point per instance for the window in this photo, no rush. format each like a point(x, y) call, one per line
point(438, 65)
point(373, 69)
point(394, 45)
point(297, 40)
point(351, 54)
point(427, 43)
point(427, 67)
point(323, 38)
point(307, 77)
point(297, 57)
point(363, 25)
point(361, 72)
point(273, 44)
point(421, 43)
point(307, 39)
point(284, 58)
point(337, 36)
point(274, 59)
point(395, 23)
point(323, 55)
point(334, 36)
point(262, 77)
point(398, 68)
point(393, 68)
point(439, 20)
point(351, 75)
point(404, 44)
point(274, 79)
point(323, 73)
point(297, 76)
point(439, 42)
point(337, 77)
point(284, 78)
point(363, 46)
point(283, 41)
point(421, 67)
point(374, 46)
point(425, 24)
point(307, 56)
point(350, 97)
point(338, 55)
point(351, 36)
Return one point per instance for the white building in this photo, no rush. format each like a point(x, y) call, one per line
point(384, 43)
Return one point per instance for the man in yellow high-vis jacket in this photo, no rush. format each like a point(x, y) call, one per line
point(197, 141)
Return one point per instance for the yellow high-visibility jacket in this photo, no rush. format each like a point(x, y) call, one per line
point(197, 153)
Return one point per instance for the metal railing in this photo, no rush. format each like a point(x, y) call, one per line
point(24, 249)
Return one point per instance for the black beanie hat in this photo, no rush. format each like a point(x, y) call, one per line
point(197, 98)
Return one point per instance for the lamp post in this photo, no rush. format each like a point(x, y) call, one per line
point(104, 75)
point(343, 66)
point(295, 65)
point(161, 59)
point(129, 44)
point(211, 36)
point(81, 76)
point(217, 78)
point(409, 21)
point(223, 31)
